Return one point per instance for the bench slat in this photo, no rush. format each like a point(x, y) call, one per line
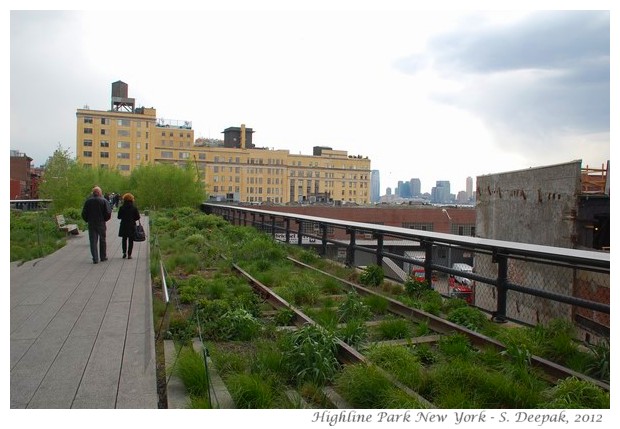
point(63, 226)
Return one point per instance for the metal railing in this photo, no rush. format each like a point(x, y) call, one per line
point(525, 283)
point(30, 204)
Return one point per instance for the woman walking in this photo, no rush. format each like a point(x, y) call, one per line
point(128, 214)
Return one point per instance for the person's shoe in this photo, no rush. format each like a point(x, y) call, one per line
point(95, 261)
point(124, 256)
point(104, 259)
point(128, 256)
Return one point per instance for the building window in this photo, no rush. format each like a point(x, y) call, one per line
point(123, 167)
point(123, 123)
point(88, 154)
point(104, 166)
point(88, 130)
point(123, 145)
point(123, 133)
point(105, 154)
point(105, 121)
point(122, 155)
point(138, 156)
point(88, 143)
point(202, 156)
point(183, 155)
point(104, 132)
point(88, 120)
point(166, 154)
point(418, 225)
point(104, 143)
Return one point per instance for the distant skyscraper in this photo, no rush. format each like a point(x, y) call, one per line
point(416, 187)
point(441, 192)
point(375, 186)
point(469, 187)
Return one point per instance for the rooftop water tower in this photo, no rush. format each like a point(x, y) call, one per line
point(120, 99)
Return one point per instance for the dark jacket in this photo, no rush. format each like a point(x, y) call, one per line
point(96, 210)
point(128, 214)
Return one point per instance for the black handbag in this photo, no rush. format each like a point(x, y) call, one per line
point(140, 235)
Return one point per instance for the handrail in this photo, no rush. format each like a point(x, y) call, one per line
point(499, 255)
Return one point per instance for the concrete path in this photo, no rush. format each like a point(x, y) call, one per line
point(82, 333)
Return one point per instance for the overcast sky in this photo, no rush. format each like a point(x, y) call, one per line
point(435, 95)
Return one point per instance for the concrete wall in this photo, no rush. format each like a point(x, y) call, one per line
point(536, 206)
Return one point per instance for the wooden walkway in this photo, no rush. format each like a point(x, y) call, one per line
point(82, 333)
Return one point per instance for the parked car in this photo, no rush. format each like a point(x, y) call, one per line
point(461, 287)
point(466, 269)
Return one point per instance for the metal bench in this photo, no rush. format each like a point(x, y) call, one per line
point(70, 228)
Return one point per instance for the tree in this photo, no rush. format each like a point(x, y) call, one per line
point(68, 183)
point(63, 181)
point(166, 186)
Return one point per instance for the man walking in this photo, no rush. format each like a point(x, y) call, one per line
point(97, 212)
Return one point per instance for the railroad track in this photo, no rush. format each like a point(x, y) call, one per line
point(440, 327)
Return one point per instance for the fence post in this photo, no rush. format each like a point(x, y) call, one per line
point(502, 278)
point(273, 227)
point(379, 253)
point(300, 224)
point(287, 234)
point(324, 238)
point(428, 261)
point(351, 248)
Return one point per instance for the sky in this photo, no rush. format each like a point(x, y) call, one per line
point(431, 94)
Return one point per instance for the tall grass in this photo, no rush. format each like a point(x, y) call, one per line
point(33, 235)
point(190, 368)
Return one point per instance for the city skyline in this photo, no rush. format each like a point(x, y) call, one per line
point(521, 89)
point(454, 190)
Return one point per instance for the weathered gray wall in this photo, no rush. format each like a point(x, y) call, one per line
point(536, 206)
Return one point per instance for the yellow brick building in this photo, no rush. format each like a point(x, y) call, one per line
point(125, 137)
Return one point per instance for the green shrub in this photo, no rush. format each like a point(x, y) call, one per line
point(377, 304)
point(310, 355)
point(252, 391)
point(353, 308)
point(230, 362)
point(33, 235)
point(599, 364)
point(354, 332)
point(180, 329)
point(574, 393)
point(400, 362)
point(372, 275)
point(455, 345)
point(469, 317)
point(363, 386)
point(464, 383)
point(284, 317)
point(303, 290)
point(415, 287)
point(394, 329)
point(190, 368)
point(239, 324)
